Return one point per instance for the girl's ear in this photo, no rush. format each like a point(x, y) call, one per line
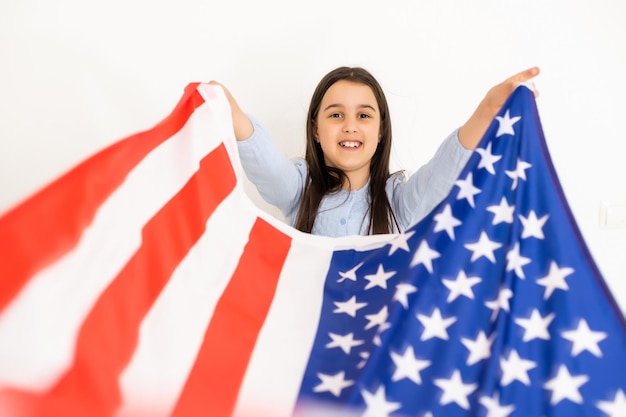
point(315, 135)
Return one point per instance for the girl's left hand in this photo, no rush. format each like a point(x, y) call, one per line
point(473, 130)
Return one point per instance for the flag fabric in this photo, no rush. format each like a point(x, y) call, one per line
point(145, 283)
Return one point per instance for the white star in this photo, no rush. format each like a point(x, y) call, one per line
point(555, 279)
point(377, 319)
point(446, 221)
point(461, 286)
point(333, 383)
point(401, 242)
point(565, 386)
point(506, 124)
point(364, 357)
point(381, 328)
point(484, 247)
point(435, 325)
point(379, 279)
point(515, 368)
point(346, 342)
point(351, 274)
point(377, 404)
point(494, 408)
point(479, 349)
point(349, 307)
point(408, 366)
point(520, 172)
point(402, 293)
point(515, 261)
point(467, 189)
point(536, 327)
point(487, 159)
point(454, 390)
point(583, 338)
point(532, 225)
point(425, 255)
point(615, 408)
point(503, 212)
point(502, 302)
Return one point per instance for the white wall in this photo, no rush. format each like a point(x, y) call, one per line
point(77, 75)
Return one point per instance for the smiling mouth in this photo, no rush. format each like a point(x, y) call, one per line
point(350, 144)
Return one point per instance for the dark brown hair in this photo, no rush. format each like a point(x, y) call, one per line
point(323, 179)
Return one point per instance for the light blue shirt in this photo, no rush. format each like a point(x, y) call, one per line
point(280, 181)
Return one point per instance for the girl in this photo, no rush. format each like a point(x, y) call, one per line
point(343, 185)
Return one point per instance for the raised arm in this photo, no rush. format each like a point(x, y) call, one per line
point(279, 180)
point(241, 124)
point(476, 126)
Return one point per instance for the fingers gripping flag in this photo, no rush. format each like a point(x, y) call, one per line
point(144, 283)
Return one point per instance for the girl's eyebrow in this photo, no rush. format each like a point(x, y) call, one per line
point(360, 106)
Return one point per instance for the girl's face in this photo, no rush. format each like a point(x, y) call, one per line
point(348, 129)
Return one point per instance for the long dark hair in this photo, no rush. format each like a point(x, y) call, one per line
point(323, 179)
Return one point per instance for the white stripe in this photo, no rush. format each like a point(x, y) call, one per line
point(273, 377)
point(173, 331)
point(38, 329)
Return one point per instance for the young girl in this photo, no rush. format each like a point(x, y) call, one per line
point(343, 185)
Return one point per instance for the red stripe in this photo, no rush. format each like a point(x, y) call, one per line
point(214, 382)
point(50, 223)
point(109, 334)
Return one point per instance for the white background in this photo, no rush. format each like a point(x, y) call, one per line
point(78, 75)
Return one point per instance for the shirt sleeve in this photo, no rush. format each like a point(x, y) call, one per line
point(415, 197)
point(279, 180)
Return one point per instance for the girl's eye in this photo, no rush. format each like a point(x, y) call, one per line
point(364, 116)
point(335, 115)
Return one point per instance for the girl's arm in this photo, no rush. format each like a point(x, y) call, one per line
point(415, 198)
point(473, 130)
point(279, 180)
point(241, 123)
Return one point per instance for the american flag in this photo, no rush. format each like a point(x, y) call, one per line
point(492, 305)
point(145, 283)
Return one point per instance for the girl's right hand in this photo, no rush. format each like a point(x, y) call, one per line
point(241, 123)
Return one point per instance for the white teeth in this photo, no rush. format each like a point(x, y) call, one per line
point(350, 144)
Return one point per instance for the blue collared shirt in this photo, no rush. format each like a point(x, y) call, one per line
point(280, 182)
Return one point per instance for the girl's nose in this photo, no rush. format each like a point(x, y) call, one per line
point(350, 124)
